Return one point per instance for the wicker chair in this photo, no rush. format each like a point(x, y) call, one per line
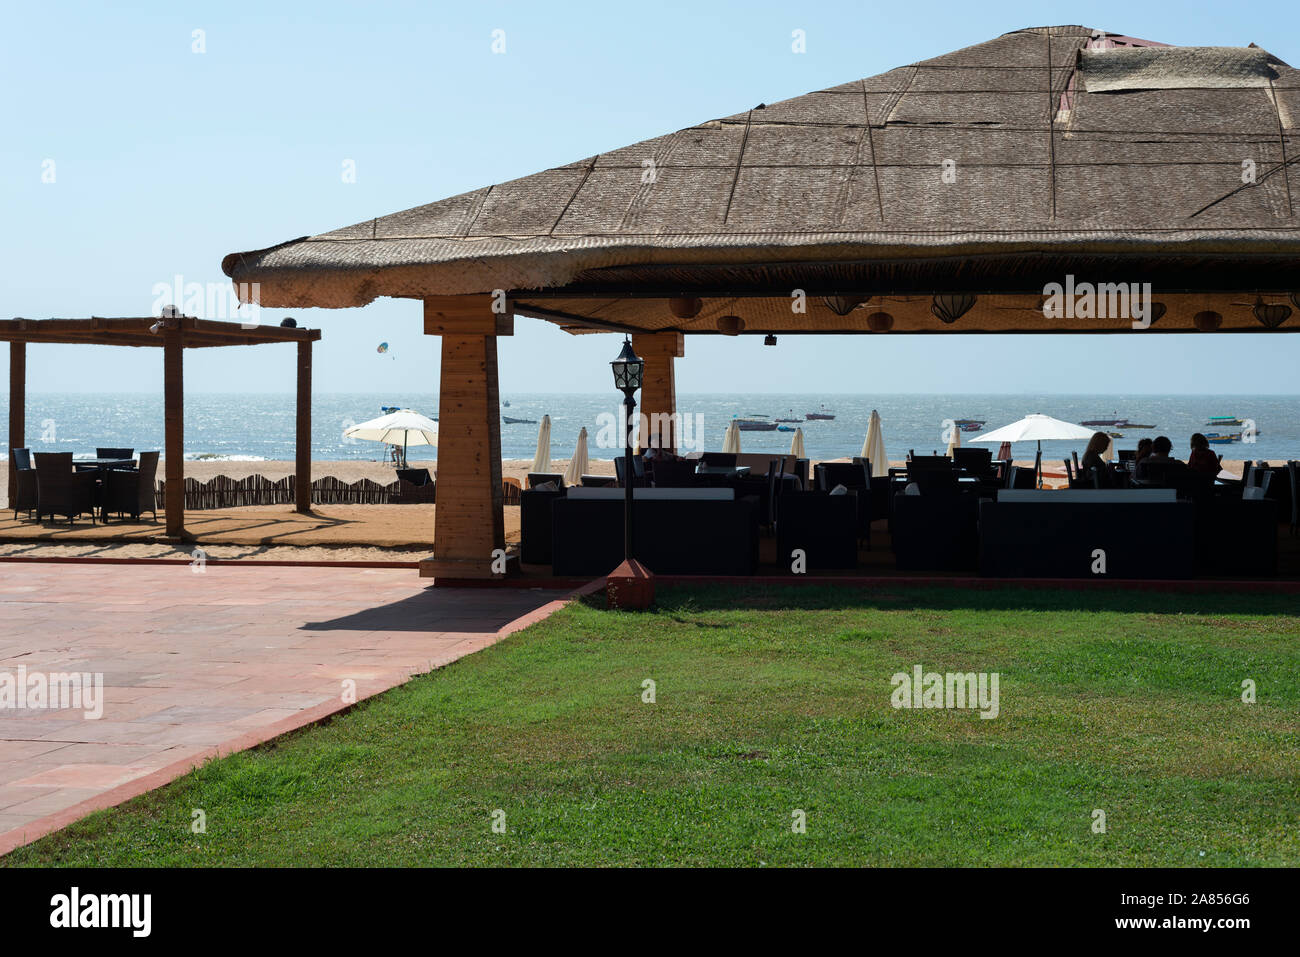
point(132, 492)
point(25, 493)
point(115, 454)
point(60, 490)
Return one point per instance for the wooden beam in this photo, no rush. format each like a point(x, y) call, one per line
point(17, 409)
point(659, 387)
point(302, 449)
point(469, 521)
point(174, 426)
point(482, 315)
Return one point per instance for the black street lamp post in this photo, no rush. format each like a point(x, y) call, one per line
point(627, 378)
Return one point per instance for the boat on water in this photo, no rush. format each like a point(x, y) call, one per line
point(509, 421)
point(822, 414)
point(1135, 425)
point(785, 428)
point(1111, 422)
point(1116, 435)
point(506, 403)
point(969, 425)
point(1216, 438)
point(788, 420)
point(1223, 421)
point(755, 423)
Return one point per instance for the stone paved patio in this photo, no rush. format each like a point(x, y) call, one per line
point(198, 664)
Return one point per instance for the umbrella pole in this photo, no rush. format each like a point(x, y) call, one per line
point(1038, 466)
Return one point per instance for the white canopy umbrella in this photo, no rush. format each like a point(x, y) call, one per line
point(731, 442)
point(402, 428)
point(542, 460)
point(796, 444)
point(873, 449)
point(578, 464)
point(1039, 428)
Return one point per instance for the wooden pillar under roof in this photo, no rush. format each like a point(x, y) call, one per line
point(17, 408)
point(659, 384)
point(302, 445)
point(174, 430)
point(469, 516)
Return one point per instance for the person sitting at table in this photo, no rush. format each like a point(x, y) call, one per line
point(1202, 459)
point(1092, 460)
point(1143, 450)
point(1160, 465)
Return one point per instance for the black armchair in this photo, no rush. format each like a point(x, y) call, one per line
point(132, 492)
point(824, 526)
point(25, 490)
point(62, 491)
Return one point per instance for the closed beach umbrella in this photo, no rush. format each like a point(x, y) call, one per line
point(955, 441)
point(731, 442)
point(1004, 451)
point(542, 460)
point(1109, 454)
point(796, 444)
point(873, 449)
point(578, 464)
point(1037, 428)
point(402, 428)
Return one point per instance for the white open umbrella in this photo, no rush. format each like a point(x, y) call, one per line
point(796, 444)
point(542, 460)
point(873, 449)
point(731, 442)
point(578, 464)
point(402, 428)
point(1039, 428)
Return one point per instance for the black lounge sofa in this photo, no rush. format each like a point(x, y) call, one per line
point(1145, 534)
point(676, 532)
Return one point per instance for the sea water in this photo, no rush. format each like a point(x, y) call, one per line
point(253, 427)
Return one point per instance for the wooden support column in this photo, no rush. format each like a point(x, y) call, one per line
point(174, 431)
point(302, 447)
point(469, 517)
point(17, 408)
point(659, 385)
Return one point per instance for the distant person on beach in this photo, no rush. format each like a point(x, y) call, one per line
point(1092, 459)
point(1202, 459)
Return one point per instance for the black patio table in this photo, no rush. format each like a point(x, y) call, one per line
point(725, 470)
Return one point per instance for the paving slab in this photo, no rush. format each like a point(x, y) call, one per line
point(198, 665)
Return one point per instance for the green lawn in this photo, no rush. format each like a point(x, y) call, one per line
point(772, 700)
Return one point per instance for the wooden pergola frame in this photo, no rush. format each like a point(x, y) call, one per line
point(173, 334)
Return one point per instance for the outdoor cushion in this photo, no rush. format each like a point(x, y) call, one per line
point(1088, 495)
point(655, 494)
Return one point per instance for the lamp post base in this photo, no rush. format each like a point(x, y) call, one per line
point(630, 587)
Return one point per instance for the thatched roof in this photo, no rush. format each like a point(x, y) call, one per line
point(1072, 150)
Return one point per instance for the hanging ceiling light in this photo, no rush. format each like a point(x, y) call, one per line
point(685, 307)
point(1207, 321)
point(1270, 315)
point(730, 325)
point(843, 305)
point(880, 322)
point(951, 306)
point(769, 340)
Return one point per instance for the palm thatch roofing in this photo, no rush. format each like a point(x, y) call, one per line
point(991, 170)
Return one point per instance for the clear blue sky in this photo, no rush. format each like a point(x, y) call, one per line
point(165, 160)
